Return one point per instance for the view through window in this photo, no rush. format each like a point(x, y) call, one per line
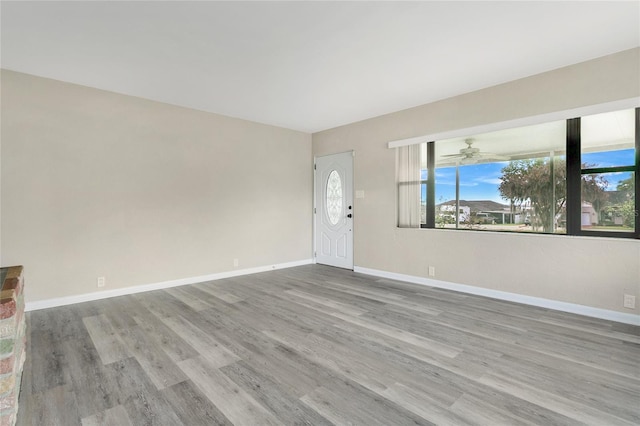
point(608, 158)
point(516, 180)
point(510, 180)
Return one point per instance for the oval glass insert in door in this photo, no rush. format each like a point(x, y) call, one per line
point(334, 197)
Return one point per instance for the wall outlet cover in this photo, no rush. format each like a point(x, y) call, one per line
point(629, 301)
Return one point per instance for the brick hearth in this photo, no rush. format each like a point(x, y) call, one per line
point(12, 342)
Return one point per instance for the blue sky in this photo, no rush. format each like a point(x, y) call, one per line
point(481, 181)
point(477, 182)
point(623, 157)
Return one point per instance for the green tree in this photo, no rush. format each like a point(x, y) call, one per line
point(622, 202)
point(626, 185)
point(593, 191)
point(542, 182)
point(629, 213)
point(626, 188)
point(536, 181)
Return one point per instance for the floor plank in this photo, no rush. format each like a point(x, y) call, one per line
point(268, 393)
point(158, 366)
point(116, 416)
point(192, 406)
point(236, 404)
point(318, 345)
point(105, 339)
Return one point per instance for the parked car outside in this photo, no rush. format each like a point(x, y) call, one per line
point(484, 218)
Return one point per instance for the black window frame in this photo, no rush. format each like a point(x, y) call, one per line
point(574, 174)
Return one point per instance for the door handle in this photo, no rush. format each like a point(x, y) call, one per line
point(349, 215)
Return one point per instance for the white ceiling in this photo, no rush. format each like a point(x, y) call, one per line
point(307, 66)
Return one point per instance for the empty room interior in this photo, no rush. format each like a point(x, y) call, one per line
point(349, 213)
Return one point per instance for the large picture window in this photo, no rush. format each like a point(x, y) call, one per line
point(510, 180)
point(576, 177)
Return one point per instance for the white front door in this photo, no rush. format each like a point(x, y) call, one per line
point(334, 210)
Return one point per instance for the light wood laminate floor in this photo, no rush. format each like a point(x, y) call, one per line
point(317, 345)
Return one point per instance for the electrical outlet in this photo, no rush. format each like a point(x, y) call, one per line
point(236, 262)
point(432, 271)
point(629, 301)
point(102, 281)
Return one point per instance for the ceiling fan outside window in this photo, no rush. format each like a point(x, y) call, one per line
point(472, 155)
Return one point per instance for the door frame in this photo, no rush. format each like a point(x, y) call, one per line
point(315, 204)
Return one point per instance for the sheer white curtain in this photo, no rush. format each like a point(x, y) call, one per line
point(408, 180)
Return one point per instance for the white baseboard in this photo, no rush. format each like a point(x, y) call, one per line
point(573, 308)
point(87, 297)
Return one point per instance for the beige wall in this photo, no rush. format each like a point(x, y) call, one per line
point(100, 184)
point(580, 270)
